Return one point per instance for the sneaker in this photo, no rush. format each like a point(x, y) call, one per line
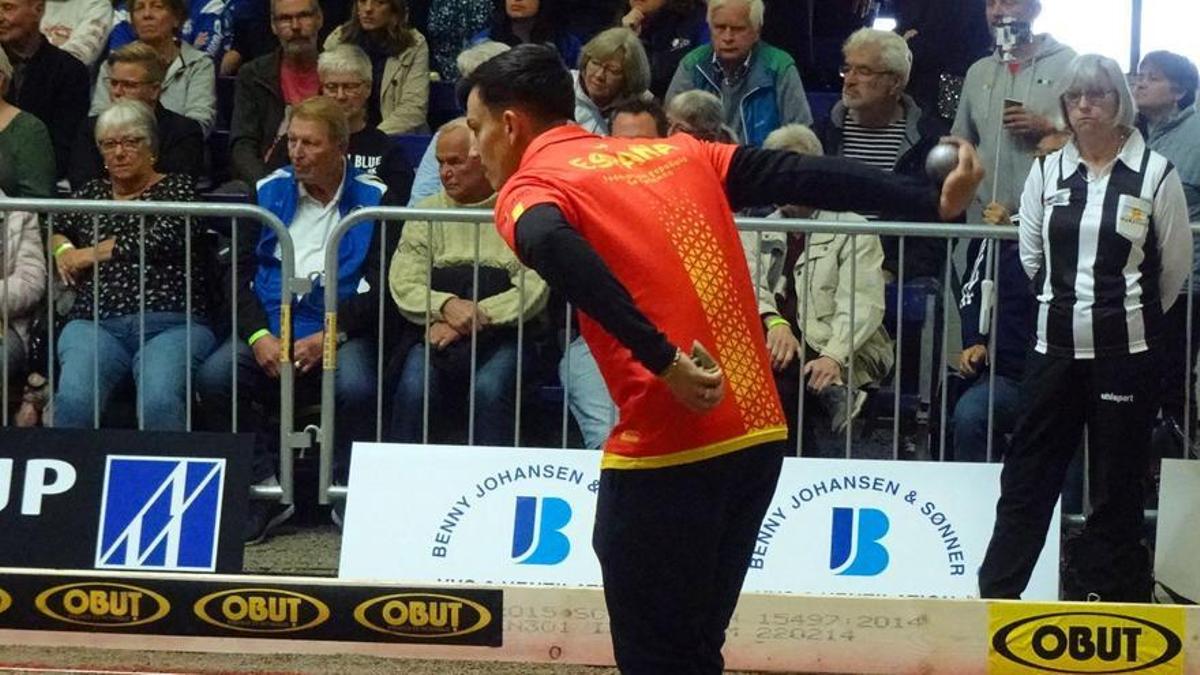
point(262, 517)
point(842, 411)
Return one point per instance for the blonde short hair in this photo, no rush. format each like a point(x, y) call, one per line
point(327, 111)
point(142, 54)
point(634, 63)
point(795, 138)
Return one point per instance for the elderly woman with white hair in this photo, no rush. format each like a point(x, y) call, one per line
point(1105, 238)
point(806, 288)
point(612, 67)
point(139, 264)
point(698, 113)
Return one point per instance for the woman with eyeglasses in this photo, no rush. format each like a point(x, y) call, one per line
point(189, 87)
point(612, 67)
point(399, 95)
point(1104, 236)
point(132, 264)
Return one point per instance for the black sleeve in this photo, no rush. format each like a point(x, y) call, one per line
point(767, 177)
point(86, 162)
point(70, 109)
point(184, 151)
point(548, 244)
point(358, 314)
point(251, 317)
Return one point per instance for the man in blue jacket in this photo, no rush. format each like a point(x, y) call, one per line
point(758, 84)
point(310, 196)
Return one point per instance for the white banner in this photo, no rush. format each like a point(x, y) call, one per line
point(1177, 543)
point(519, 516)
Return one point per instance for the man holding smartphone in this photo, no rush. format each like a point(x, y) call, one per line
point(1008, 102)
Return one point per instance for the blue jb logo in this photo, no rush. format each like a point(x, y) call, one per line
point(537, 532)
point(858, 554)
point(160, 513)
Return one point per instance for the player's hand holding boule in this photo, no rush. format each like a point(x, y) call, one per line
point(697, 388)
point(959, 189)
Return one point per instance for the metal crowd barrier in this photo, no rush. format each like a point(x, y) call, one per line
point(48, 209)
point(933, 369)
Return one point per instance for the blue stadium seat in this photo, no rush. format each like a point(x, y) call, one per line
point(443, 104)
point(413, 146)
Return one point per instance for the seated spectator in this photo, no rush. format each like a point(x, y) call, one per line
point(806, 287)
point(345, 74)
point(23, 283)
point(209, 27)
point(516, 22)
point(441, 302)
point(878, 124)
point(399, 57)
point(135, 73)
point(78, 27)
point(668, 29)
point(1013, 325)
point(1165, 94)
point(311, 196)
point(638, 119)
point(267, 86)
point(24, 143)
point(189, 85)
point(612, 67)
point(451, 26)
point(428, 179)
point(699, 113)
point(759, 86)
point(47, 82)
point(97, 356)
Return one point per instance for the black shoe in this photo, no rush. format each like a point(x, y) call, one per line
point(842, 409)
point(262, 517)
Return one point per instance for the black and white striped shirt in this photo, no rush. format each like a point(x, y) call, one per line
point(878, 147)
point(1108, 252)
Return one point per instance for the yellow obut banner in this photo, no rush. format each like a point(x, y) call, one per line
point(261, 610)
point(426, 615)
point(1085, 638)
point(102, 604)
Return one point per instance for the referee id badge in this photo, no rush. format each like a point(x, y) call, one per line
point(1057, 198)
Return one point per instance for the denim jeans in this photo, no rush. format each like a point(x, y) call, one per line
point(354, 391)
point(587, 394)
point(114, 352)
point(495, 397)
point(970, 421)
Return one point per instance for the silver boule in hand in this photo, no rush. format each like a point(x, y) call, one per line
point(941, 161)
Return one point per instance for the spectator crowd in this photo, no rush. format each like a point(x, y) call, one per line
point(313, 109)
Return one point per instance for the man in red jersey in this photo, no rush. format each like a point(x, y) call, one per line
point(639, 235)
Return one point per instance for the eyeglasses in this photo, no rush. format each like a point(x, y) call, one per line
point(114, 83)
point(606, 70)
point(298, 17)
point(332, 88)
point(129, 143)
point(861, 71)
point(1076, 96)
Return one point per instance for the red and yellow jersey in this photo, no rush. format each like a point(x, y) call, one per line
point(655, 211)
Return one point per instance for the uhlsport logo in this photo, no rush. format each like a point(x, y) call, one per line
point(5, 600)
point(102, 604)
point(1045, 639)
point(423, 615)
point(160, 513)
point(261, 610)
point(855, 548)
point(537, 531)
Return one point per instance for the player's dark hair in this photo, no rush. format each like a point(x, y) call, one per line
point(529, 77)
point(637, 106)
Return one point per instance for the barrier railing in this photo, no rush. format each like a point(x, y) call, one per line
point(48, 210)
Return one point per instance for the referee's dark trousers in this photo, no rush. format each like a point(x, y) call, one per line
point(1115, 398)
point(674, 545)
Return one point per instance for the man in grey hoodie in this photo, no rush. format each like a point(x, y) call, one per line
point(1165, 93)
point(1007, 106)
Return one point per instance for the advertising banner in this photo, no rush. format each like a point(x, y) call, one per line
point(123, 500)
point(524, 516)
point(1177, 545)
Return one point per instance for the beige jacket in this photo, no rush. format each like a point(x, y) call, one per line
point(454, 244)
point(824, 288)
point(25, 270)
point(404, 95)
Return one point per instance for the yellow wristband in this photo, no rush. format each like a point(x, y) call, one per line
point(66, 245)
point(258, 335)
point(776, 321)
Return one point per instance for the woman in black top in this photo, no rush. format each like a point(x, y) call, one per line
point(120, 266)
point(668, 29)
